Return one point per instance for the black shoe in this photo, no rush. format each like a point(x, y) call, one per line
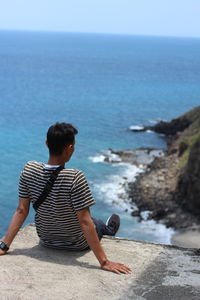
point(113, 223)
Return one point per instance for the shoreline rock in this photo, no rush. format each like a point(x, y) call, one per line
point(167, 187)
point(138, 157)
point(155, 190)
point(170, 187)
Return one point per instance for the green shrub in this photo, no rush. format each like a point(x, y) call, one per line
point(189, 140)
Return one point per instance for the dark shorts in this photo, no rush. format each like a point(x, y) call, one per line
point(102, 228)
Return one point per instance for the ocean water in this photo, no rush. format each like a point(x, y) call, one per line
point(103, 84)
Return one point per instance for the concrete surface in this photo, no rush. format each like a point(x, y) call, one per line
point(30, 271)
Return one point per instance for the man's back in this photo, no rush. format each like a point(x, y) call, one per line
point(63, 219)
point(56, 220)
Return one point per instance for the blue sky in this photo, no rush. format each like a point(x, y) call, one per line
point(147, 17)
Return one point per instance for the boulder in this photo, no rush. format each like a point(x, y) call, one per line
point(172, 127)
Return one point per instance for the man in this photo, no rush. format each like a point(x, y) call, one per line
point(63, 219)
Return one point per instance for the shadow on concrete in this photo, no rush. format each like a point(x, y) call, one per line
point(54, 256)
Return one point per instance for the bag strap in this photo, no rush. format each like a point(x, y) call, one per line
point(47, 188)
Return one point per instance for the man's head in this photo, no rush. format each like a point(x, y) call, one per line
point(60, 136)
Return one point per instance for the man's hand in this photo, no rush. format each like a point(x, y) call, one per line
point(89, 231)
point(115, 267)
point(2, 252)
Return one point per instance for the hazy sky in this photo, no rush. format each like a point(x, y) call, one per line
point(149, 17)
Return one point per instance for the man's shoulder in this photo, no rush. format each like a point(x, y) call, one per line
point(31, 166)
point(75, 175)
point(33, 163)
point(74, 172)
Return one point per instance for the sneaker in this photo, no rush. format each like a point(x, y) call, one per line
point(113, 223)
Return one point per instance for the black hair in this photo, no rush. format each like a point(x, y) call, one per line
point(60, 135)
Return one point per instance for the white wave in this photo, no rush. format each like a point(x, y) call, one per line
point(161, 233)
point(157, 153)
point(145, 214)
point(112, 157)
point(149, 131)
point(148, 230)
point(112, 190)
point(106, 156)
point(136, 127)
point(153, 121)
point(97, 158)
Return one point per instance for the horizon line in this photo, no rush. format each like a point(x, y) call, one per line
point(99, 33)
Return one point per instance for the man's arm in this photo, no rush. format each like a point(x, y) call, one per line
point(91, 236)
point(17, 221)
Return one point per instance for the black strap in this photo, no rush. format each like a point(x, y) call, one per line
point(47, 188)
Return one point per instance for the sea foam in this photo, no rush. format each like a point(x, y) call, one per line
point(99, 158)
point(105, 156)
point(136, 127)
point(113, 189)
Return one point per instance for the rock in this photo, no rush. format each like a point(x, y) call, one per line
point(161, 178)
point(172, 127)
point(158, 214)
point(140, 157)
point(135, 213)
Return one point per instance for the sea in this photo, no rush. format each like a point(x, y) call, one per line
point(103, 85)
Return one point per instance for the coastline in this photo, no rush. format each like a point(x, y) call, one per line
point(161, 186)
point(152, 191)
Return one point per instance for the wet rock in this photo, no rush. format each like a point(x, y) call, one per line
point(158, 214)
point(140, 157)
point(135, 213)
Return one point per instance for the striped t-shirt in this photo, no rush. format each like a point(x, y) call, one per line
point(56, 221)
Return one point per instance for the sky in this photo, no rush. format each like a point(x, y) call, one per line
point(135, 17)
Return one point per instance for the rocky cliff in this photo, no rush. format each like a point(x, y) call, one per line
point(170, 187)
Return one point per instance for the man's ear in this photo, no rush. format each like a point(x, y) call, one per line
point(46, 143)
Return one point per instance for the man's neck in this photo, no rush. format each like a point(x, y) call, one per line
point(56, 160)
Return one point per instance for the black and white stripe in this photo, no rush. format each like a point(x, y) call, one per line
point(56, 220)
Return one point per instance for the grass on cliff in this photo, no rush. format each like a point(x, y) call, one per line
point(189, 141)
point(194, 117)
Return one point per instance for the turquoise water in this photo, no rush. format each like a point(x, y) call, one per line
point(102, 84)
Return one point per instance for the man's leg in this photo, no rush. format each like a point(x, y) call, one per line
point(110, 228)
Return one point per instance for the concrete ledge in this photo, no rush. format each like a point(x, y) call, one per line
point(30, 271)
